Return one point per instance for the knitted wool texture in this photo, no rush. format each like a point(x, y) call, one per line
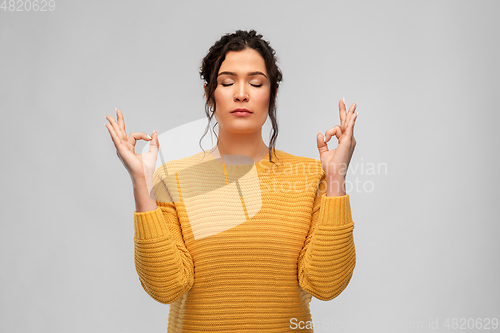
point(243, 247)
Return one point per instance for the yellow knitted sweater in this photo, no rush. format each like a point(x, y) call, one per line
point(243, 247)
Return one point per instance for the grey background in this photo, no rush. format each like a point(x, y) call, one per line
point(425, 75)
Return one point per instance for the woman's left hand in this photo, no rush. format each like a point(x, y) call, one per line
point(335, 162)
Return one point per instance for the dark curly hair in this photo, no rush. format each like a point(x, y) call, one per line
point(238, 41)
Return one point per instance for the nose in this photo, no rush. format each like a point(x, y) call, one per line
point(241, 95)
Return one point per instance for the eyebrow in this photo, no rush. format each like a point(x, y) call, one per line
point(234, 74)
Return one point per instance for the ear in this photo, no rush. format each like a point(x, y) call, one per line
point(205, 89)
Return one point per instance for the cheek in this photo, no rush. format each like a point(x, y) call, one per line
point(263, 99)
point(217, 96)
point(222, 97)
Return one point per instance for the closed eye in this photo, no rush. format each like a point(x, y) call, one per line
point(229, 84)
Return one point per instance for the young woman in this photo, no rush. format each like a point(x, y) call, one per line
point(232, 238)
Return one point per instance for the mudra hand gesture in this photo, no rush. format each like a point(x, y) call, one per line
point(139, 166)
point(335, 162)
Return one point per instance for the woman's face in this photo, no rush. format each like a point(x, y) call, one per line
point(242, 82)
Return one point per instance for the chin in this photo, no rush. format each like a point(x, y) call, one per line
point(242, 128)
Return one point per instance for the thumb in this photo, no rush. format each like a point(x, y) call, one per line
point(322, 147)
point(154, 144)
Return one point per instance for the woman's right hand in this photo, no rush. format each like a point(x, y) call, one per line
point(139, 166)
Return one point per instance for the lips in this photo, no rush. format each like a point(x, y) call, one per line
point(241, 110)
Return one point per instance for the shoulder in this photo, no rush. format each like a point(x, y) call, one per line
point(295, 158)
point(167, 176)
point(170, 168)
point(308, 164)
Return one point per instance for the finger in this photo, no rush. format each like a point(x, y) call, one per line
point(350, 128)
point(116, 139)
point(350, 113)
point(342, 111)
point(117, 129)
point(121, 121)
point(334, 131)
point(134, 137)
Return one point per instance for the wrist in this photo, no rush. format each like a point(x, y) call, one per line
point(142, 185)
point(141, 180)
point(335, 186)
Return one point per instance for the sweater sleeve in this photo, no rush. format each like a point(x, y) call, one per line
point(327, 259)
point(163, 263)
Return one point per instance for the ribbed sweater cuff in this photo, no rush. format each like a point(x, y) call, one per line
point(150, 224)
point(335, 210)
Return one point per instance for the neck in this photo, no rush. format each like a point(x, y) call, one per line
point(247, 144)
